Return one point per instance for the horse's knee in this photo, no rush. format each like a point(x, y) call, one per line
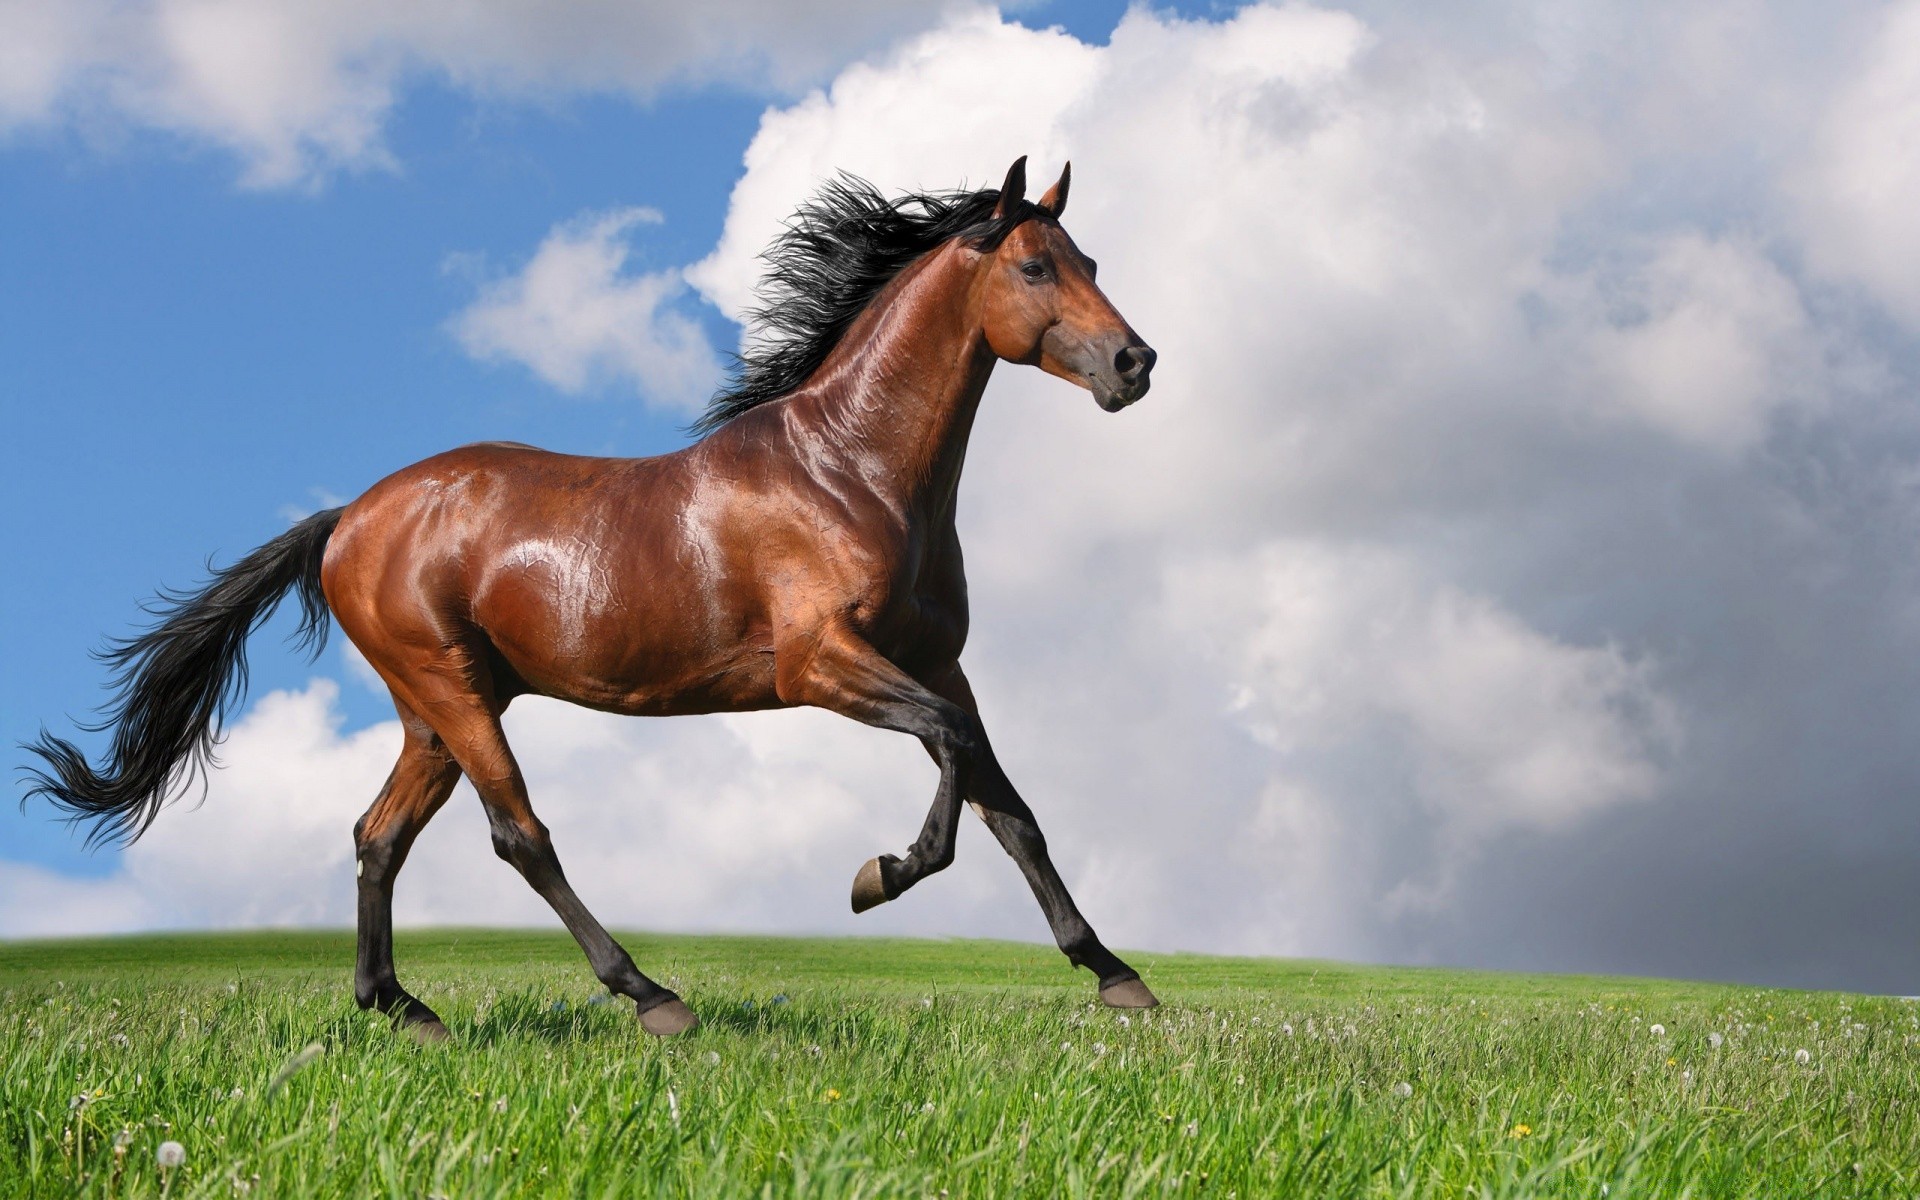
point(527, 850)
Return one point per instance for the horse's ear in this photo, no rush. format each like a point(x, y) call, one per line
point(1013, 191)
point(1054, 202)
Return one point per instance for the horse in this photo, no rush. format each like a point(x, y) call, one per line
point(801, 551)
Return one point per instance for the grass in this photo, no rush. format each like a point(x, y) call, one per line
point(903, 1068)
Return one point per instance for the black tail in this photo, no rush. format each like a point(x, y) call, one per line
point(176, 683)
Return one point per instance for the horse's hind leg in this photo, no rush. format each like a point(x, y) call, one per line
point(471, 729)
point(418, 786)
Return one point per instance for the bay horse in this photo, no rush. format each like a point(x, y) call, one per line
point(801, 552)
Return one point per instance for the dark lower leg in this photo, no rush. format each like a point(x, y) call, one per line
point(417, 788)
point(1013, 824)
point(531, 853)
point(932, 851)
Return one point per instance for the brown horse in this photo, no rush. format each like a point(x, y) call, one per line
point(802, 552)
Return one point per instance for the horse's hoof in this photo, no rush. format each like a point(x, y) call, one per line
point(668, 1019)
point(869, 887)
point(429, 1032)
point(1128, 993)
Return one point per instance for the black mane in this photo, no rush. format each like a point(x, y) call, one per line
point(836, 252)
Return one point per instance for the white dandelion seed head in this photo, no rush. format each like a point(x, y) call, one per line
point(1403, 1090)
point(1287, 1029)
point(1125, 1019)
point(1099, 1047)
point(1714, 1040)
point(713, 1058)
point(1802, 1057)
point(926, 1110)
point(237, 1094)
point(1657, 1030)
point(170, 1155)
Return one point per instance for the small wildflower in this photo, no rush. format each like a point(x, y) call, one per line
point(500, 1105)
point(1099, 1048)
point(1714, 1040)
point(713, 1058)
point(1521, 1130)
point(1672, 1063)
point(237, 1094)
point(926, 1110)
point(1802, 1057)
point(1403, 1090)
point(1657, 1030)
point(1287, 1028)
point(830, 1095)
point(170, 1155)
point(1125, 1020)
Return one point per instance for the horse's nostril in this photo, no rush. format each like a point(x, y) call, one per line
point(1133, 361)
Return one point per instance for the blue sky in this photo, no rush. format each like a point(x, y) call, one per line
point(1513, 565)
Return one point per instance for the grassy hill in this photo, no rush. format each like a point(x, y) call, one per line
point(841, 1068)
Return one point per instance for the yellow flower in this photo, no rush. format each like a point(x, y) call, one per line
point(1670, 1062)
point(831, 1095)
point(1520, 1131)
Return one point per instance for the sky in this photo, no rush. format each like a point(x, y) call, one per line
point(1513, 565)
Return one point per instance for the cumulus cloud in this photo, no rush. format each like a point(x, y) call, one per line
point(299, 89)
point(1861, 175)
point(1512, 564)
point(576, 318)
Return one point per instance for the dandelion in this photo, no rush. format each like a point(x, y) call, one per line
point(1287, 1028)
point(926, 1110)
point(1066, 1047)
point(1099, 1048)
point(713, 1058)
point(926, 1002)
point(1714, 1040)
point(1403, 1090)
point(830, 1095)
point(237, 1094)
point(1521, 1130)
point(170, 1155)
point(1125, 1020)
point(1657, 1030)
point(1802, 1057)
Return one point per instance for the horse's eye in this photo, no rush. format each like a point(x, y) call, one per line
point(1034, 270)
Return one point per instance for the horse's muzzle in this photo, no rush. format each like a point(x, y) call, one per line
point(1131, 376)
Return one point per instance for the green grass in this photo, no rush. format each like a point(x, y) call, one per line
point(895, 1068)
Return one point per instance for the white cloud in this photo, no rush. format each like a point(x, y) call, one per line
point(1858, 185)
point(576, 318)
point(301, 88)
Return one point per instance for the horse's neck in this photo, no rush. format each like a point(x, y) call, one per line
point(897, 408)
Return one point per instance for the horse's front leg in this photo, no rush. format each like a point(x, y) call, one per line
point(840, 672)
point(1013, 824)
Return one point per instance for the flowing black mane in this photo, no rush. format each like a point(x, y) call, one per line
point(836, 252)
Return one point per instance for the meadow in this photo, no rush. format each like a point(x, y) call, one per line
point(862, 1068)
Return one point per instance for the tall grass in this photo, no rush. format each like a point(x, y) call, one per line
point(885, 1068)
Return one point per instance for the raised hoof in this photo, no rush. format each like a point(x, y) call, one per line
point(1128, 993)
point(869, 887)
point(669, 1019)
point(428, 1033)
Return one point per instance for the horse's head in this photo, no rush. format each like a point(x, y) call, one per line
point(1042, 306)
